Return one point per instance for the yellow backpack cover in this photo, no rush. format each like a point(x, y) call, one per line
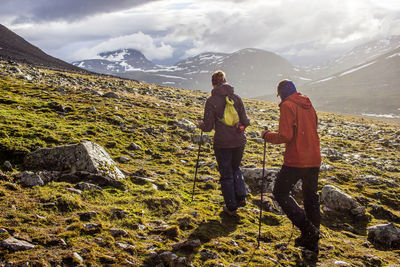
point(231, 117)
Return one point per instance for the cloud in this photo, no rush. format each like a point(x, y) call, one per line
point(24, 11)
point(139, 41)
point(288, 27)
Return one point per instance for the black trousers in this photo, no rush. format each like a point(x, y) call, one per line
point(232, 184)
point(287, 178)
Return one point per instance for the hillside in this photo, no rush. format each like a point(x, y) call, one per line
point(145, 221)
point(15, 48)
point(372, 88)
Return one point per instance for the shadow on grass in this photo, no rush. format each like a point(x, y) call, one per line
point(216, 228)
point(340, 222)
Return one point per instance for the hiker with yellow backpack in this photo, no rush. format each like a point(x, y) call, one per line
point(225, 113)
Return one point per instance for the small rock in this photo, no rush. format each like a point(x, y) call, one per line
point(189, 245)
point(118, 232)
point(186, 125)
point(88, 187)
point(87, 216)
point(92, 228)
point(134, 146)
point(119, 214)
point(207, 254)
point(111, 95)
point(14, 244)
point(29, 179)
point(77, 257)
point(123, 159)
point(2, 230)
point(7, 166)
point(333, 198)
point(74, 190)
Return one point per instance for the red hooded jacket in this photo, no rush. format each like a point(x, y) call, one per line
point(298, 125)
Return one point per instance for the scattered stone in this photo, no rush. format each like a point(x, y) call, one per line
point(333, 199)
point(341, 263)
point(74, 190)
point(168, 257)
point(87, 216)
point(86, 156)
point(204, 139)
point(2, 230)
point(14, 244)
point(111, 95)
point(207, 254)
point(188, 246)
point(119, 214)
point(77, 257)
point(123, 159)
point(127, 247)
point(7, 166)
point(134, 146)
point(186, 125)
point(88, 186)
point(386, 235)
point(92, 228)
point(118, 232)
point(29, 179)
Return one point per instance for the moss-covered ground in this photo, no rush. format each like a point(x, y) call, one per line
point(55, 108)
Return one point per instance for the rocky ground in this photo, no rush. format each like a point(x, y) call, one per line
point(117, 187)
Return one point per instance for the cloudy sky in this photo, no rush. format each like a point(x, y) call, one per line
point(169, 30)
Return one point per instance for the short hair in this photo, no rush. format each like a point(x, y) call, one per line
point(218, 77)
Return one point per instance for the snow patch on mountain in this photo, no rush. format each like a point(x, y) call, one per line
point(356, 69)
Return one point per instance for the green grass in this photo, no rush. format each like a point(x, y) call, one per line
point(160, 212)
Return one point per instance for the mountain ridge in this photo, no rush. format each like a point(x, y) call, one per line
point(14, 47)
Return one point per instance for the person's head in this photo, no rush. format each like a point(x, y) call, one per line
point(218, 78)
point(286, 88)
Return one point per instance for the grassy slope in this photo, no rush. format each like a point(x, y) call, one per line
point(29, 120)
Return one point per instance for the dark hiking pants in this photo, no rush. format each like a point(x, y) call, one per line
point(231, 180)
point(287, 178)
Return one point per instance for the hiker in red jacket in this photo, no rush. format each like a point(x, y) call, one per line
point(298, 131)
point(229, 141)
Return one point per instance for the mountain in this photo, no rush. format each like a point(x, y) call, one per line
point(14, 47)
point(357, 56)
point(371, 87)
point(115, 62)
point(252, 72)
point(77, 218)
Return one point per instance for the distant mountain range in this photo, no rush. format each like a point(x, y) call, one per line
point(14, 47)
point(366, 80)
point(253, 72)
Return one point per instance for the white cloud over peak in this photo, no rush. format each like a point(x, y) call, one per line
point(139, 41)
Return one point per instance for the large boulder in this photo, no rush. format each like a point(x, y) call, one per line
point(333, 199)
point(386, 235)
point(252, 177)
point(83, 157)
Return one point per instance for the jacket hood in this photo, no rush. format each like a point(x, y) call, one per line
point(301, 100)
point(222, 90)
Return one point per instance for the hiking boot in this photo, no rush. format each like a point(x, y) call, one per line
point(309, 239)
point(230, 213)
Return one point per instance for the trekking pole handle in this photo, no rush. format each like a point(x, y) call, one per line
point(265, 129)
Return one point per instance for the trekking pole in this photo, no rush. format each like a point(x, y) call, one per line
point(262, 192)
point(197, 164)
